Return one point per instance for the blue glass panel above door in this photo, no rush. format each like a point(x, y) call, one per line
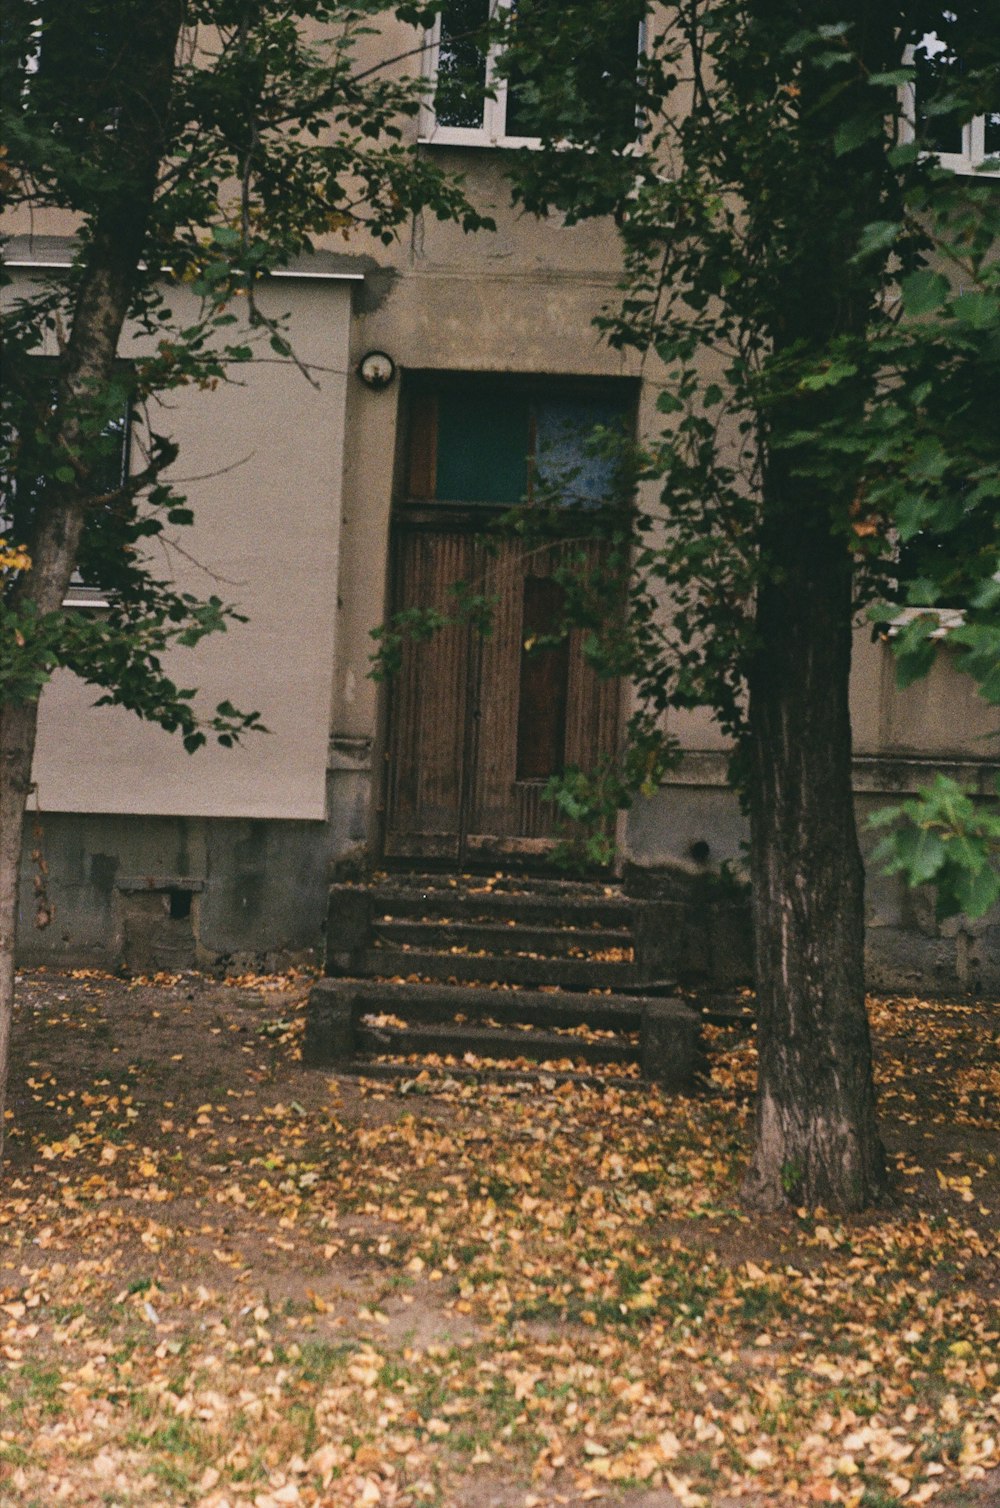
point(566, 458)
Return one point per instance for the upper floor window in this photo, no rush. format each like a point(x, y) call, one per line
point(481, 97)
point(959, 142)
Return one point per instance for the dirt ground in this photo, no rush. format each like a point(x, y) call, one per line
point(231, 1281)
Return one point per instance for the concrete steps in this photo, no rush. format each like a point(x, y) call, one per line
point(512, 936)
point(483, 967)
point(487, 977)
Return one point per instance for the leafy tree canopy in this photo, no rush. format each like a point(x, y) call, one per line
point(824, 301)
point(198, 144)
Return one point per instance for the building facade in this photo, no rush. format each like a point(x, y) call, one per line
point(453, 370)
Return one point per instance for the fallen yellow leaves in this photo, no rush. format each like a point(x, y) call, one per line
point(224, 1280)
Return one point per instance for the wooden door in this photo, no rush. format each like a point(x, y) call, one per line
point(479, 722)
point(537, 711)
point(430, 698)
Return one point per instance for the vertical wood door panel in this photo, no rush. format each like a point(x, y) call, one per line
point(507, 811)
point(477, 723)
point(429, 702)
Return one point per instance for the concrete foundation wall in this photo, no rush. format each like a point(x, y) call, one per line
point(149, 893)
point(687, 832)
point(171, 893)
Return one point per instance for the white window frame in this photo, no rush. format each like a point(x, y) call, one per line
point(493, 131)
point(971, 159)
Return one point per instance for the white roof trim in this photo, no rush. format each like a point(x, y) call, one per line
point(280, 272)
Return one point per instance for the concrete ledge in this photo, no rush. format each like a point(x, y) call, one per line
point(330, 1025)
point(698, 940)
point(670, 1046)
point(886, 774)
point(348, 927)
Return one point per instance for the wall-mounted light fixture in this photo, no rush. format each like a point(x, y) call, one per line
point(376, 370)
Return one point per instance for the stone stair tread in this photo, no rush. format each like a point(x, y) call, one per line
point(438, 1075)
point(503, 968)
point(429, 1002)
point(491, 1042)
point(513, 884)
point(502, 937)
point(551, 908)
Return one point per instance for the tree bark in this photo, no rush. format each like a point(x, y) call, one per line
point(817, 1142)
point(17, 743)
point(109, 276)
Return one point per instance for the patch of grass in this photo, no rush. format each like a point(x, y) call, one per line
point(631, 1279)
point(255, 1469)
point(176, 1437)
point(498, 1189)
point(943, 1445)
point(321, 1358)
point(878, 1497)
point(63, 1312)
point(302, 1418)
point(762, 1303)
point(43, 1385)
point(171, 1475)
point(500, 1401)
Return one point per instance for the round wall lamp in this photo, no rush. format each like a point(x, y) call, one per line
point(376, 370)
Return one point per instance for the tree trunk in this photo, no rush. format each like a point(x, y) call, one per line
point(110, 271)
point(816, 1137)
point(17, 742)
point(817, 1141)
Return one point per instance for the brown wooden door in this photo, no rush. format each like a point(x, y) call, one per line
point(478, 722)
point(537, 712)
point(429, 698)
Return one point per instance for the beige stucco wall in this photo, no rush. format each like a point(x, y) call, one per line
point(262, 460)
point(521, 298)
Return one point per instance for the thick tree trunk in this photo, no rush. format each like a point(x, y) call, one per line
point(817, 1141)
point(816, 1137)
point(17, 742)
point(107, 284)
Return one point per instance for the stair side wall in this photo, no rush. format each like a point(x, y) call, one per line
point(690, 836)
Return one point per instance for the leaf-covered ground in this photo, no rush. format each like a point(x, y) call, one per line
point(227, 1280)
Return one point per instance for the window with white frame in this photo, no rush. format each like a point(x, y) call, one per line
point(964, 145)
point(475, 102)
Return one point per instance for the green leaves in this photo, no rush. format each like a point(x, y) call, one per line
point(921, 852)
point(257, 143)
point(945, 837)
point(856, 131)
point(924, 291)
point(832, 373)
point(810, 273)
point(877, 237)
